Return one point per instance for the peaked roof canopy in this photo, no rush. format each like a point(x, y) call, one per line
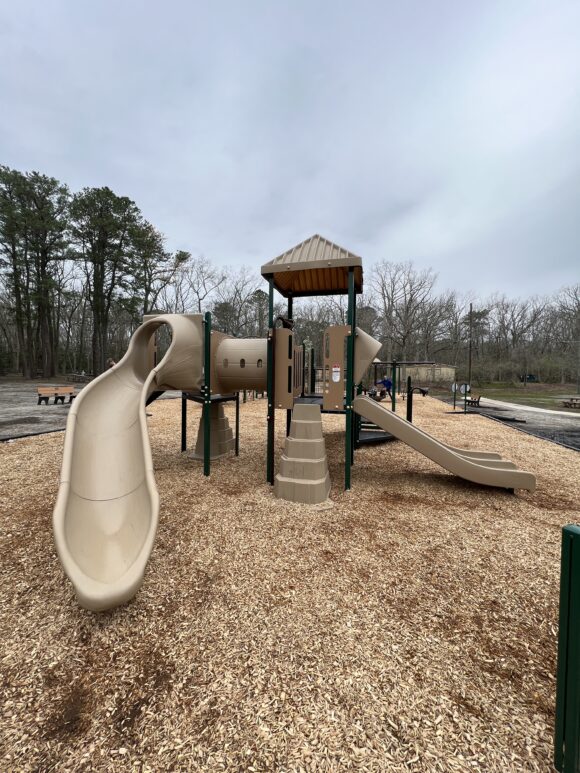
point(314, 267)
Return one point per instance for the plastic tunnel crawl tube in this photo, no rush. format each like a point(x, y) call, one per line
point(106, 513)
point(473, 466)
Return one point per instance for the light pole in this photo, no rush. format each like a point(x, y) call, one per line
point(470, 342)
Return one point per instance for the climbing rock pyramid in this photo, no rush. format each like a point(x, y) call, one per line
point(220, 434)
point(303, 475)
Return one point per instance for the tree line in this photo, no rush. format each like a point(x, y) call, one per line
point(78, 271)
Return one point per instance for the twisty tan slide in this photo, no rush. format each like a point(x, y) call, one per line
point(476, 466)
point(107, 507)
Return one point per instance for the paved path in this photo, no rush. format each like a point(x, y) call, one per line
point(558, 426)
point(487, 401)
point(20, 415)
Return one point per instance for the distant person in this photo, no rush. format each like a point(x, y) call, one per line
point(110, 363)
point(387, 384)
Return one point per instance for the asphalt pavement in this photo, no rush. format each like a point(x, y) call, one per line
point(20, 414)
point(561, 427)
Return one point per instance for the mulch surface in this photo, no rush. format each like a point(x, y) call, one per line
point(410, 625)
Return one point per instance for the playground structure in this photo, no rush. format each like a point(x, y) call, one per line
point(106, 513)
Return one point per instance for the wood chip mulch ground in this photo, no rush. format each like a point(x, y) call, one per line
point(411, 625)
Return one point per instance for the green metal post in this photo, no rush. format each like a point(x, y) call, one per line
point(207, 395)
point(270, 386)
point(355, 419)
point(409, 400)
point(289, 410)
point(393, 385)
point(183, 422)
point(237, 446)
point(349, 381)
point(567, 729)
point(312, 373)
point(303, 370)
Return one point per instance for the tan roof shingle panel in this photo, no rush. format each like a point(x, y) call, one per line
point(313, 267)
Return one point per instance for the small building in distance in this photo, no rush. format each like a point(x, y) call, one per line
point(429, 374)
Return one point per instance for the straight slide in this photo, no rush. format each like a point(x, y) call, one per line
point(106, 512)
point(486, 468)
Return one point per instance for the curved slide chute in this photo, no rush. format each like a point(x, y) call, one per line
point(481, 467)
point(106, 513)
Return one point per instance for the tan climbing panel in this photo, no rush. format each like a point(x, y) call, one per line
point(334, 367)
point(298, 371)
point(283, 368)
point(215, 387)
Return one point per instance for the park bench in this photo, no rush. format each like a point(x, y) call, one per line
point(58, 392)
point(571, 402)
point(473, 402)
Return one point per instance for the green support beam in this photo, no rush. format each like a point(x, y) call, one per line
point(355, 418)
point(348, 449)
point(207, 395)
point(183, 422)
point(270, 386)
point(289, 410)
point(237, 445)
point(567, 729)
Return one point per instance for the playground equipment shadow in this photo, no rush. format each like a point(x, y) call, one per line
point(409, 625)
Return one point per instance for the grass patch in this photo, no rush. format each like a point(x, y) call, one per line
point(548, 396)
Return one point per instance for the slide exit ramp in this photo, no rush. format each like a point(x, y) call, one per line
point(485, 468)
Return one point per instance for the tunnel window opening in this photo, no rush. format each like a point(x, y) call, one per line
point(259, 364)
point(242, 363)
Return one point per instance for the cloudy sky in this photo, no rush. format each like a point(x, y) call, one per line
point(440, 131)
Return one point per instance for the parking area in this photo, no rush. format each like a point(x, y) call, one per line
point(20, 414)
point(561, 427)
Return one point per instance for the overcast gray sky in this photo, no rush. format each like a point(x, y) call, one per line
point(443, 132)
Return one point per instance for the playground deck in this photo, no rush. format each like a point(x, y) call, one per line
point(409, 626)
